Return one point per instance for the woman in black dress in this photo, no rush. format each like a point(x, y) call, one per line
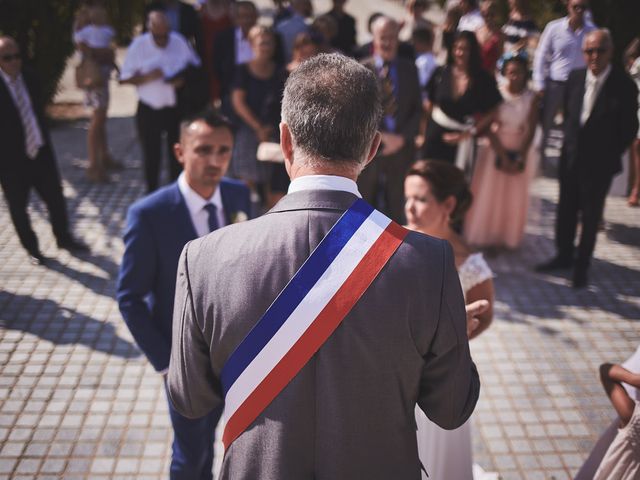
point(462, 100)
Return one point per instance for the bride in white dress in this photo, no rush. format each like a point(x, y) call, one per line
point(437, 198)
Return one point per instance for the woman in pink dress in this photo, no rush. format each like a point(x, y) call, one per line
point(505, 164)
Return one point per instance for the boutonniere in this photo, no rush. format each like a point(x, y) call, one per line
point(239, 216)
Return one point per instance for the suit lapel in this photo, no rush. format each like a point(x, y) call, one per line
point(600, 103)
point(228, 204)
point(182, 216)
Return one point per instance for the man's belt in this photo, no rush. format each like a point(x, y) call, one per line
point(305, 314)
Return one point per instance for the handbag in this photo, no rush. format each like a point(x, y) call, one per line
point(89, 74)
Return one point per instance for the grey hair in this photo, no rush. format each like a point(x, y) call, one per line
point(606, 37)
point(332, 107)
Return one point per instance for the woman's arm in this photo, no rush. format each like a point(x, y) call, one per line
point(238, 100)
point(482, 291)
point(532, 123)
point(611, 377)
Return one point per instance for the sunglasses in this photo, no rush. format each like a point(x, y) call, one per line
point(9, 57)
point(593, 51)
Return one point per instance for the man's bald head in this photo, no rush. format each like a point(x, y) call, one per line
point(385, 37)
point(159, 27)
point(10, 60)
point(597, 48)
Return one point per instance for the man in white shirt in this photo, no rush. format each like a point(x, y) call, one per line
point(158, 227)
point(471, 19)
point(27, 160)
point(601, 120)
point(559, 52)
point(153, 64)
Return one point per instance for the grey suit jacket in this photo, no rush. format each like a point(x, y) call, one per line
point(349, 413)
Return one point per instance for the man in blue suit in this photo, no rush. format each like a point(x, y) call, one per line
point(158, 227)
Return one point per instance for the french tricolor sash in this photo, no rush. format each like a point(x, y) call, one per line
point(305, 313)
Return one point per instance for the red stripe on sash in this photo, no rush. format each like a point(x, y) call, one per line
point(317, 333)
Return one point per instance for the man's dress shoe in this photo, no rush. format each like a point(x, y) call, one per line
point(556, 263)
point(72, 245)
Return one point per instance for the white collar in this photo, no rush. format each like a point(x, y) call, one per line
point(600, 79)
point(194, 201)
point(324, 182)
point(567, 25)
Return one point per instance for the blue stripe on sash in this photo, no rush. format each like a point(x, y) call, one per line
point(297, 288)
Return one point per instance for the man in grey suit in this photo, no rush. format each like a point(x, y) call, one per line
point(349, 412)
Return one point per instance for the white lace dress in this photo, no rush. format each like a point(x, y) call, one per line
point(446, 454)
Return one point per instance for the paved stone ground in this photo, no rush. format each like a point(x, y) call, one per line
point(77, 400)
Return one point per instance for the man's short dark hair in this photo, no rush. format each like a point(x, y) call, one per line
point(211, 117)
point(422, 35)
point(332, 107)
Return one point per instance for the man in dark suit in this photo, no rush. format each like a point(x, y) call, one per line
point(345, 39)
point(349, 411)
point(402, 102)
point(600, 106)
point(233, 48)
point(158, 227)
point(27, 158)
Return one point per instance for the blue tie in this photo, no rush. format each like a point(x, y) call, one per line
point(213, 216)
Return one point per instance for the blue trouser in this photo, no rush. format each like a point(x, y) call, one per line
point(193, 439)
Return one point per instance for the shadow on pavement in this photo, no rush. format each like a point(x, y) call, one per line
point(61, 326)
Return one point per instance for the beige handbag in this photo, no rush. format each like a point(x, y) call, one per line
point(89, 74)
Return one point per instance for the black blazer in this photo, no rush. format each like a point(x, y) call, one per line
point(11, 130)
point(409, 101)
point(595, 148)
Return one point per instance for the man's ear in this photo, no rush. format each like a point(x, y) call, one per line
point(373, 148)
point(286, 145)
point(177, 150)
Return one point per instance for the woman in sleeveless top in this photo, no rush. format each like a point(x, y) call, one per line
point(437, 197)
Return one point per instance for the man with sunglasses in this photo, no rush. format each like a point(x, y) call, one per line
point(27, 160)
point(154, 63)
point(558, 53)
point(601, 104)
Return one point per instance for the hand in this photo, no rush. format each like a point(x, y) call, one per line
point(154, 74)
point(419, 141)
point(453, 138)
point(392, 143)
point(473, 310)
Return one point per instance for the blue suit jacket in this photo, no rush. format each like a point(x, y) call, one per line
point(158, 227)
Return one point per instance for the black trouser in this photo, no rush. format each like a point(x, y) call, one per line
point(151, 124)
point(584, 197)
point(551, 106)
point(393, 168)
point(40, 173)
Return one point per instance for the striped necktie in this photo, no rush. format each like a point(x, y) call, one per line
point(26, 115)
point(213, 216)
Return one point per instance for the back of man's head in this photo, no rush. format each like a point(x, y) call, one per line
point(332, 107)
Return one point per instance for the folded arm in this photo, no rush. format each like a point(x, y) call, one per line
point(193, 387)
point(450, 384)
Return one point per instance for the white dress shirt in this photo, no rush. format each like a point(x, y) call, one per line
point(195, 205)
point(471, 21)
point(13, 88)
point(592, 87)
point(244, 53)
point(324, 182)
point(559, 52)
point(95, 36)
point(144, 56)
